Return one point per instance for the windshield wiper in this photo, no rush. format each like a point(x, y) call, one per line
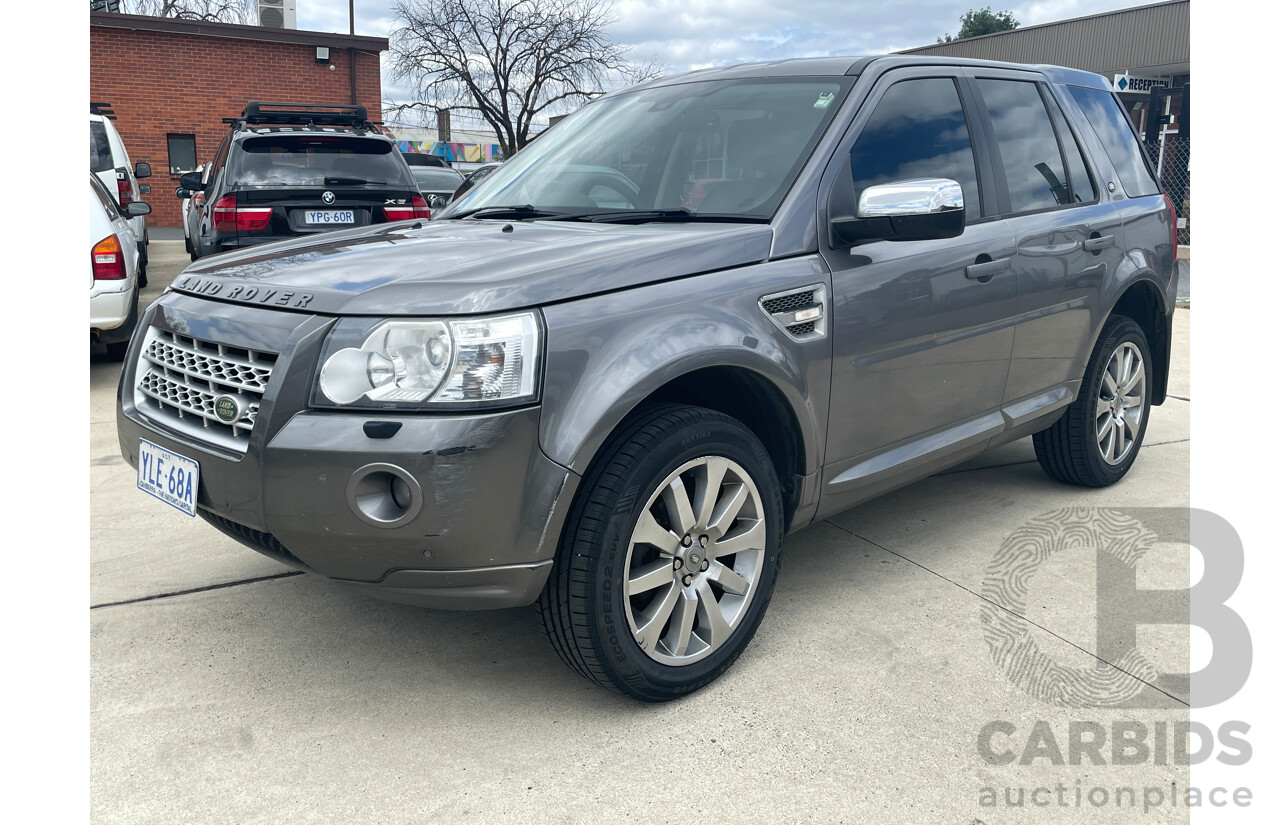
point(517, 212)
point(663, 216)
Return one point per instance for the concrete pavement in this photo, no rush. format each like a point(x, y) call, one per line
point(256, 695)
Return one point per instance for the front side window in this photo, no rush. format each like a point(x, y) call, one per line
point(918, 130)
point(1115, 130)
point(719, 147)
point(1027, 144)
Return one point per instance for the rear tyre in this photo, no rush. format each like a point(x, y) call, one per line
point(117, 351)
point(1097, 440)
point(143, 258)
point(670, 555)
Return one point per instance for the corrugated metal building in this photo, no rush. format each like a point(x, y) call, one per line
point(1150, 40)
point(1145, 45)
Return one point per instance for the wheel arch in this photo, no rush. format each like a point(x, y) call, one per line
point(1144, 302)
point(748, 394)
point(750, 398)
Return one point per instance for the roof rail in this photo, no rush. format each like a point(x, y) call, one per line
point(103, 109)
point(259, 113)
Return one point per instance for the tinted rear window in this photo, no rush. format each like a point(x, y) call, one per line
point(99, 148)
point(1115, 130)
point(104, 197)
point(437, 180)
point(1029, 153)
point(317, 160)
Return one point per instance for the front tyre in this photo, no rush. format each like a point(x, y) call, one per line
point(1097, 439)
point(669, 558)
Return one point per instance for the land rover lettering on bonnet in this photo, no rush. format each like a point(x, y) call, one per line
point(693, 317)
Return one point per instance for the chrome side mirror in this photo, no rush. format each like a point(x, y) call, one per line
point(907, 198)
point(908, 210)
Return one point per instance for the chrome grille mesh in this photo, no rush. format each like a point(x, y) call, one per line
point(800, 313)
point(789, 303)
point(180, 377)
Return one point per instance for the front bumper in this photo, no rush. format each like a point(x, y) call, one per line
point(473, 525)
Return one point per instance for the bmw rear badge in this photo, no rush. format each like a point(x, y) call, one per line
point(227, 409)
point(328, 197)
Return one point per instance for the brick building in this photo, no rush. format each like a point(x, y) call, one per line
point(171, 82)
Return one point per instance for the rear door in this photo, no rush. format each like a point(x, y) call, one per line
point(921, 339)
point(1068, 236)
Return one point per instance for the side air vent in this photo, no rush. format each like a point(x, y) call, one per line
point(800, 313)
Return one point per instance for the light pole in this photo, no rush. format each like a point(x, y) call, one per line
point(351, 52)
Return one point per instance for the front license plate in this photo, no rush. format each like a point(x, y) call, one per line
point(323, 216)
point(170, 477)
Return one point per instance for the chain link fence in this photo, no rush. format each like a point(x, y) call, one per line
point(1171, 156)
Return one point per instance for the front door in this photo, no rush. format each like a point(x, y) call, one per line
point(921, 334)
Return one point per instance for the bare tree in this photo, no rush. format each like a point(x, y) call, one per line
point(507, 61)
point(221, 11)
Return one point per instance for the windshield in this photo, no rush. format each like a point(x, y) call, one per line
point(317, 160)
point(727, 147)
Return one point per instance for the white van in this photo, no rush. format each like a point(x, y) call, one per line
point(109, 161)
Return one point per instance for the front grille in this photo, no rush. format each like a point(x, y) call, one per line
point(181, 380)
point(260, 541)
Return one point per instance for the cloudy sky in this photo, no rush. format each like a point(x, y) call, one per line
point(680, 35)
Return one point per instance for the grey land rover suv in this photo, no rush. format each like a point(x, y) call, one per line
point(695, 316)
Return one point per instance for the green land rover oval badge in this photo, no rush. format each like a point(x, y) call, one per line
point(227, 409)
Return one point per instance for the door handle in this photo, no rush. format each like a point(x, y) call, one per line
point(1096, 242)
point(983, 271)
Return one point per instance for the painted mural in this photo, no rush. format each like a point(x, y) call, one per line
point(464, 152)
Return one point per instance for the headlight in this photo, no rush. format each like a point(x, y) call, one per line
point(469, 363)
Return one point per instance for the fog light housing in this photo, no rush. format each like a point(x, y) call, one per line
point(384, 495)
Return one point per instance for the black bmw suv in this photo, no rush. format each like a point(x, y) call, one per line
point(290, 169)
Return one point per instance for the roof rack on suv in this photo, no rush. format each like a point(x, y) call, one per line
point(261, 113)
point(104, 109)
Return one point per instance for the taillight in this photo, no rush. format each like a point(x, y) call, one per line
point(108, 259)
point(1173, 224)
point(124, 189)
point(417, 209)
point(228, 217)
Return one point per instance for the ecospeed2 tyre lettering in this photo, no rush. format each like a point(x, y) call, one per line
point(670, 559)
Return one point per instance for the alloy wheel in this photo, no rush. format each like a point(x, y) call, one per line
point(694, 560)
point(1121, 403)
